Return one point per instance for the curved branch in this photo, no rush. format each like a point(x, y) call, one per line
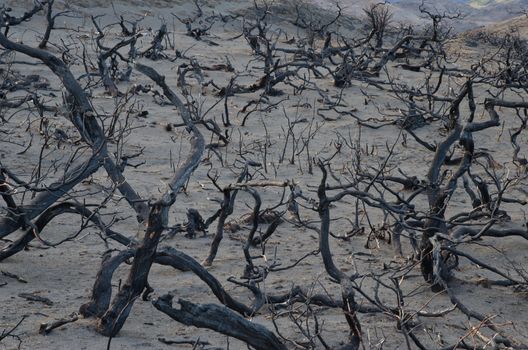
point(181, 261)
point(48, 215)
point(102, 289)
point(44, 199)
point(83, 118)
point(113, 320)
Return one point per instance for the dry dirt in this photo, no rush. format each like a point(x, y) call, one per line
point(65, 274)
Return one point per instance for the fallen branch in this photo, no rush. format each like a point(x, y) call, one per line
point(46, 328)
point(219, 319)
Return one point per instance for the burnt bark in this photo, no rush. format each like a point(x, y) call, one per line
point(220, 319)
point(113, 319)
